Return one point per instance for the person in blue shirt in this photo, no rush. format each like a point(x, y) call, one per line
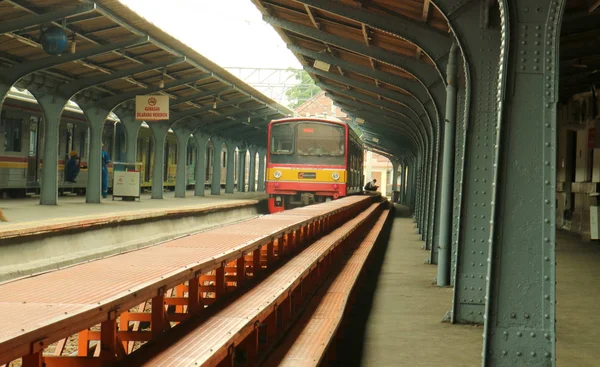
point(72, 167)
point(105, 162)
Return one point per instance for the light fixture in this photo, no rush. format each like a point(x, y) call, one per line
point(335, 176)
point(359, 120)
point(161, 84)
point(321, 65)
point(277, 174)
point(215, 104)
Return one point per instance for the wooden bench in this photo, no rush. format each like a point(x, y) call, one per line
point(247, 328)
point(307, 344)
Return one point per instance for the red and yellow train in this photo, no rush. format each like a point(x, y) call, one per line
point(311, 160)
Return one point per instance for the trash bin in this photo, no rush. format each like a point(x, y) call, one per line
point(395, 196)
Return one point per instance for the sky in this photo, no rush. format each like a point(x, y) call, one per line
point(231, 33)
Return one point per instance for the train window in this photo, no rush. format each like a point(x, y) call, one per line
point(12, 134)
point(282, 139)
point(316, 139)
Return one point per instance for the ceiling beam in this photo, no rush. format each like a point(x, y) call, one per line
point(36, 20)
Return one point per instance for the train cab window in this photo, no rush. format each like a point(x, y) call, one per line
point(316, 139)
point(12, 134)
point(282, 139)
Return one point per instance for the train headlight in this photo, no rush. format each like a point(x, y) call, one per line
point(335, 176)
point(277, 174)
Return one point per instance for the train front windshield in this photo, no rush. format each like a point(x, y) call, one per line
point(307, 143)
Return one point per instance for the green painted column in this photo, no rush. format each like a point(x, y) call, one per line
point(96, 117)
point(215, 186)
point(200, 167)
point(445, 208)
point(252, 171)
point(520, 328)
point(52, 108)
point(183, 136)
point(242, 170)
point(230, 180)
point(261, 169)
point(159, 133)
point(477, 28)
point(131, 127)
point(394, 176)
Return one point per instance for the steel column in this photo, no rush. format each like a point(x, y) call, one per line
point(183, 136)
point(242, 170)
point(445, 209)
point(96, 118)
point(131, 127)
point(215, 185)
point(52, 108)
point(200, 174)
point(394, 176)
point(230, 179)
point(252, 172)
point(480, 44)
point(261, 169)
point(159, 133)
point(521, 294)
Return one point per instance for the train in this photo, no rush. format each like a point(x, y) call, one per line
point(22, 139)
point(311, 160)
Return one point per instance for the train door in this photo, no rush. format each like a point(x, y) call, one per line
point(32, 158)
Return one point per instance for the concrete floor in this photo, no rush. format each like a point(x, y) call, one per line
point(578, 301)
point(24, 212)
point(396, 317)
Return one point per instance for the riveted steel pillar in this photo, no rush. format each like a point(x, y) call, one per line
point(261, 170)
point(252, 173)
point(52, 108)
point(96, 117)
point(476, 26)
point(215, 185)
point(445, 209)
point(200, 174)
point(242, 170)
point(183, 136)
point(131, 127)
point(459, 164)
point(159, 133)
point(394, 176)
point(520, 325)
point(229, 181)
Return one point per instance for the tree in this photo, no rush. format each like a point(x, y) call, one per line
point(303, 91)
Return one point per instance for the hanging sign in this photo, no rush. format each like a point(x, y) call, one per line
point(152, 108)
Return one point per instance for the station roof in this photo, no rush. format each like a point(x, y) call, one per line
point(118, 55)
point(580, 47)
point(371, 61)
point(373, 58)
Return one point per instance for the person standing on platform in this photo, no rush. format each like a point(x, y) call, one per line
point(105, 162)
point(72, 167)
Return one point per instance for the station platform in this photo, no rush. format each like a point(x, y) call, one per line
point(39, 238)
point(27, 213)
point(397, 321)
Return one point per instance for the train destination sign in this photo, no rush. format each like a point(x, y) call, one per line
point(152, 108)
